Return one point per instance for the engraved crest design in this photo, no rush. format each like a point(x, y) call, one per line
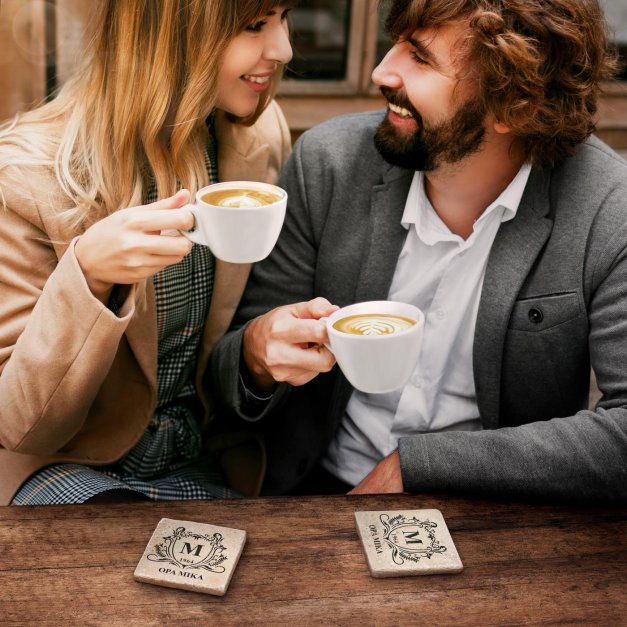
point(410, 538)
point(186, 549)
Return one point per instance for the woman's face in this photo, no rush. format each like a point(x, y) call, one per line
point(250, 60)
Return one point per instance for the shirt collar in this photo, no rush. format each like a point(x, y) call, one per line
point(418, 209)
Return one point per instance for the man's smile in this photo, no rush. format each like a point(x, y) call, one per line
point(400, 111)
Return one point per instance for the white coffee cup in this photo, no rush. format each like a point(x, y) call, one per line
point(377, 363)
point(238, 234)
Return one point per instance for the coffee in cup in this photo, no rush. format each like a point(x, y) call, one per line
point(239, 220)
point(376, 343)
point(240, 198)
point(373, 324)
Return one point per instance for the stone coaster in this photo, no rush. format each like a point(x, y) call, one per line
point(191, 556)
point(403, 543)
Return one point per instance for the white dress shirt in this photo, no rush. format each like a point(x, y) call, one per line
point(442, 274)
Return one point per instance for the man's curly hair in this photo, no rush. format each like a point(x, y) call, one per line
point(539, 63)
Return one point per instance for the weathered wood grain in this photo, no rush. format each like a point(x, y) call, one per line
point(303, 564)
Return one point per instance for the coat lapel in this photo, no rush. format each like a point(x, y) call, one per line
point(387, 236)
point(241, 156)
point(516, 247)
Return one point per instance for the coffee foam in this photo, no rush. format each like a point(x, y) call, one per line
point(240, 198)
point(373, 324)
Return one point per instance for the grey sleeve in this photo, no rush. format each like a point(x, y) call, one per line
point(580, 457)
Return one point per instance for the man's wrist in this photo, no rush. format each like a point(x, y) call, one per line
point(261, 391)
point(254, 378)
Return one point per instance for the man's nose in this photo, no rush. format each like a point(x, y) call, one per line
point(387, 73)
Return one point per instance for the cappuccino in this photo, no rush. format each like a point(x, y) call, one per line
point(239, 220)
point(373, 324)
point(240, 198)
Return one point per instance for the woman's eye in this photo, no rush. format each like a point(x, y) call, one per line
point(256, 27)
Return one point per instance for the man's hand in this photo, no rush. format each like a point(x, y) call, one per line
point(384, 477)
point(287, 344)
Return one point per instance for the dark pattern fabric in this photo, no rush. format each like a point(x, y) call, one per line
point(167, 463)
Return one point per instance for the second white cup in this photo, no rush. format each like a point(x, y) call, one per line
point(376, 343)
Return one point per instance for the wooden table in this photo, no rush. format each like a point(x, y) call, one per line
point(303, 564)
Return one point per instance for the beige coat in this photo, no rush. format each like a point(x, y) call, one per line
point(78, 383)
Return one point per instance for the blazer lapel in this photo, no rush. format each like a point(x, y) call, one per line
point(387, 237)
point(516, 247)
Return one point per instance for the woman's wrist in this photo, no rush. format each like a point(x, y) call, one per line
point(100, 289)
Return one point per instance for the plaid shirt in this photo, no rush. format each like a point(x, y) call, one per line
point(167, 462)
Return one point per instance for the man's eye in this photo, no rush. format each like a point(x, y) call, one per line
point(256, 27)
point(417, 58)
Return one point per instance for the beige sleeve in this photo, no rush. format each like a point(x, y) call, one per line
point(57, 341)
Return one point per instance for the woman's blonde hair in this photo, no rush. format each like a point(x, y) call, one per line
point(137, 104)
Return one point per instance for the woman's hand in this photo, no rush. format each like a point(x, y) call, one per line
point(127, 246)
point(287, 344)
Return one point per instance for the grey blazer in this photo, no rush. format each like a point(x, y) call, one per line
point(553, 304)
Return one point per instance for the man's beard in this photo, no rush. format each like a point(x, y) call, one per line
point(431, 146)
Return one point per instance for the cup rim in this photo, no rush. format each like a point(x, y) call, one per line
point(419, 317)
point(242, 185)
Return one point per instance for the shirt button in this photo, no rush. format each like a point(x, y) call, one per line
point(439, 314)
point(417, 381)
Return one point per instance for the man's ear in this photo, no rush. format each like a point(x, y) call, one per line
point(518, 118)
point(500, 128)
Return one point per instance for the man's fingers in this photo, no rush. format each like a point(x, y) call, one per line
point(316, 308)
point(298, 331)
point(282, 359)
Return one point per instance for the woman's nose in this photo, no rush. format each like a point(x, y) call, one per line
point(279, 48)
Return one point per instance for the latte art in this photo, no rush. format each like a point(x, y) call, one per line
point(373, 324)
point(240, 198)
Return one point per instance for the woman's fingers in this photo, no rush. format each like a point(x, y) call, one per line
point(158, 245)
point(148, 220)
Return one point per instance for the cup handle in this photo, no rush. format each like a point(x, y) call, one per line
point(326, 344)
point(193, 234)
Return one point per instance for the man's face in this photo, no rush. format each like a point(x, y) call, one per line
point(434, 117)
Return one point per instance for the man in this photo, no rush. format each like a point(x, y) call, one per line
point(483, 201)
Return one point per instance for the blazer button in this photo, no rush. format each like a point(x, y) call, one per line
point(302, 466)
point(535, 315)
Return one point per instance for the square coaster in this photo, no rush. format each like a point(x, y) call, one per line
point(191, 556)
point(411, 542)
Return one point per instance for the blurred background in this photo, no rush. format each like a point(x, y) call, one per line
point(337, 43)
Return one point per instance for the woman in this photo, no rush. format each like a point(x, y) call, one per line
point(105, 323)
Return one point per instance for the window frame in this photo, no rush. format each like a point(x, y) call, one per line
point(355, 61)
